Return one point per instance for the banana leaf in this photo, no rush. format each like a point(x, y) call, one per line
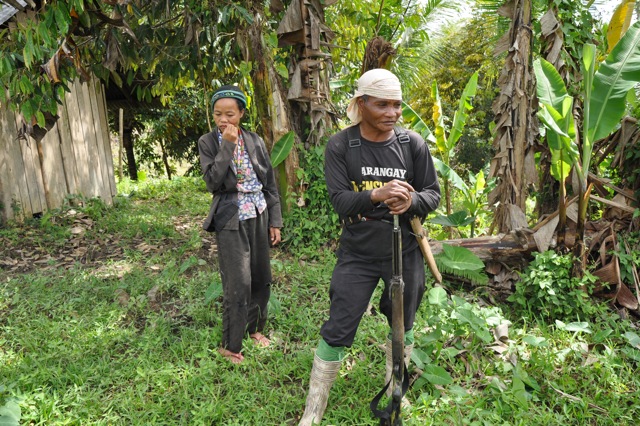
point(556, 113)
point(414, 122)
point(477, 184)
point(613, 80)
point(550, 87)
point(619, 22)
point(460, 117)
point(282, 148)
point(449, 174)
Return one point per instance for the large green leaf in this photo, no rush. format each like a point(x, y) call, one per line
point(414, 122)
point(549, 116)
point(437, 296)
point(282, 148)
point(461, 258)
point(10, 414)
point(449, 174)
point(560, 165)
point(456, 219)
point(460, 261)
point(437, 375)
point(478, 182)
point(556, 113)
point(460, 117)
point(549, 84)
point(552, 93)
point(615, 77)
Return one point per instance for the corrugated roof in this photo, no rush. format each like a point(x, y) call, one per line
point(7, 12)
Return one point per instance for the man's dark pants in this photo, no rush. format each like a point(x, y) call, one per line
point(352, 285)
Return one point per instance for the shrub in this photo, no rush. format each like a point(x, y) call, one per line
point(311, 221)
point(548, 290)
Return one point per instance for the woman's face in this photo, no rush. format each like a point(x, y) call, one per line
point(225, 112)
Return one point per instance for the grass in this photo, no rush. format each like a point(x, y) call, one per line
point(120, 325)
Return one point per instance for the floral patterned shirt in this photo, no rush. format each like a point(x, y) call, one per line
point(250, 196)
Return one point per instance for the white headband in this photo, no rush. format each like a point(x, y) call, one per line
point(379, 83)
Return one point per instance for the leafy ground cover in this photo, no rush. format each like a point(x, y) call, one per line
point(111, 316)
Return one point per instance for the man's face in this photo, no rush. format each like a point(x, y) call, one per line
point(381, 114)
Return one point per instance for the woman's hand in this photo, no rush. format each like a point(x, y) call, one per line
point(274, 235)
point(230, 134)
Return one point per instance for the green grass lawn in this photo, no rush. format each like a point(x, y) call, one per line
point(112, 316)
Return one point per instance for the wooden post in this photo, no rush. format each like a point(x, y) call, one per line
point(120, 139)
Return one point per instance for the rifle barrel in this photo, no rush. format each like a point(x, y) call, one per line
point(396, 290)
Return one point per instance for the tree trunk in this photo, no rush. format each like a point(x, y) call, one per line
point(509, 249)
point(127, 142)
point(273, 112)
point(516, 126)
point(165, 159)
point(303, 27)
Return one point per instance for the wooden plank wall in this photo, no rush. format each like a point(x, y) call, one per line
point(73, 158)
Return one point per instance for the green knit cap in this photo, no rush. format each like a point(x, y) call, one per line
point(229, 91)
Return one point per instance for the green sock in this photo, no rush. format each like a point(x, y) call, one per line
point(329, 353)
point(409, 338)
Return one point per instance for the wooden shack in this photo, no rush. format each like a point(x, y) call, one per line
point(72, 159)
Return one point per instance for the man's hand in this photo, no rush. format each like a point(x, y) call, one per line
point(396, 194)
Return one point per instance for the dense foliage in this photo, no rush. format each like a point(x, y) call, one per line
point(311, 223)
point(548, 291)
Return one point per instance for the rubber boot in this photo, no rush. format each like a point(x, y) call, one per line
point(323, 374)
point(389, 367)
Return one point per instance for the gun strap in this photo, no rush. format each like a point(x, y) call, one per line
point(386, 416)
point(354, 157)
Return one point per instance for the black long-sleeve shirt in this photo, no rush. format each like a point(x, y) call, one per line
point(381, 162)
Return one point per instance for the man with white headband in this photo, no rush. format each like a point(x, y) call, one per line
point(374, 170)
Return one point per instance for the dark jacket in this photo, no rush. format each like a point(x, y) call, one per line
point(215, 160)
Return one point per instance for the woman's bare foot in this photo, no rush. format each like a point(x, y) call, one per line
point(235, 358)
point(260, 339)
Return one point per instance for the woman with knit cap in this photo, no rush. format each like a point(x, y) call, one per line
point(370, 179)
point(245, 215)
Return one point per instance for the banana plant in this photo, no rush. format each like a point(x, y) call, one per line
point(604, 98)
point(280, 151)
point(556, 114)
point(474, 197)
point(413, 120)
point(446, 143)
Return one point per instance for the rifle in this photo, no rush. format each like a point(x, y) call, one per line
point(400, 377)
